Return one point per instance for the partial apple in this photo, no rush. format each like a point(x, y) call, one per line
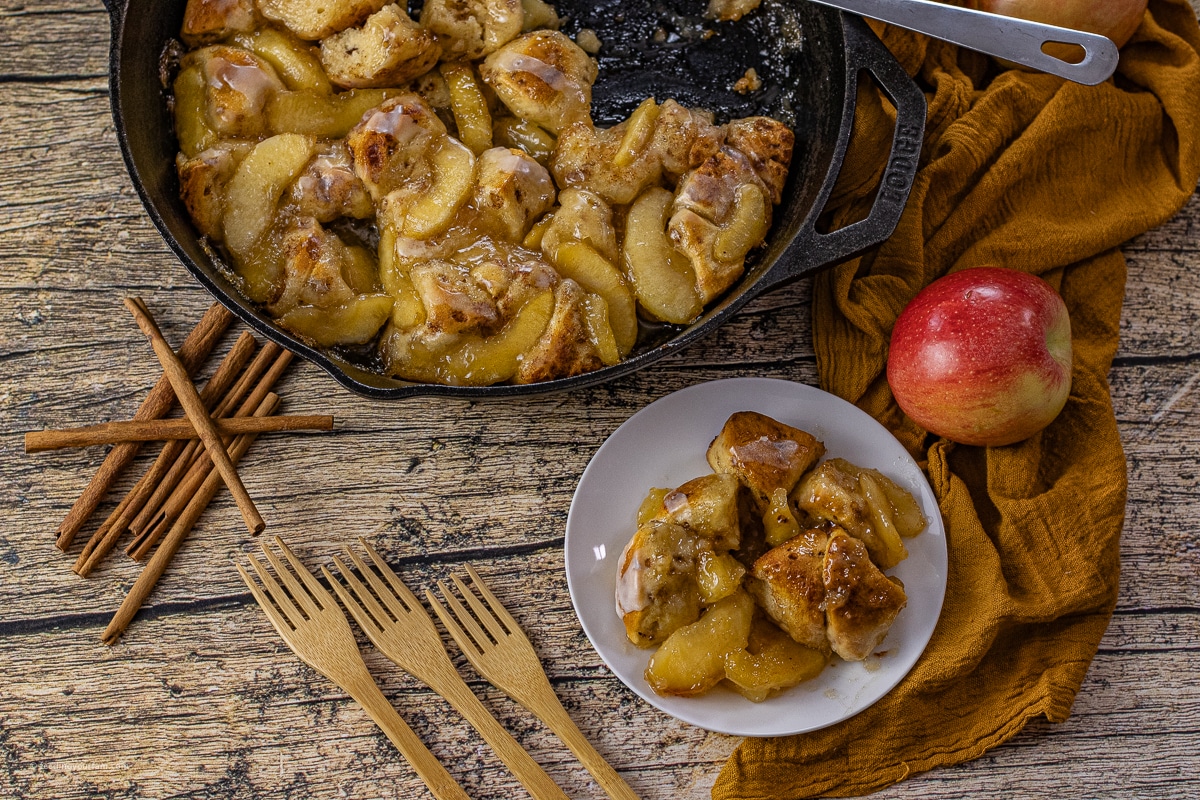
point(1116, 19)
point(982, 356)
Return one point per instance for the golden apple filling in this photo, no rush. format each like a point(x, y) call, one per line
point(756, 575)
point(434, 191)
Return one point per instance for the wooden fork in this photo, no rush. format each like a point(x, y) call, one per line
point(402, 629)
point(319, 633)
point(505, 657)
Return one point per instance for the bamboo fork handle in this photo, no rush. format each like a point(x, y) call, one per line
point(540, 785)
point(558, 720)
point(441, 784)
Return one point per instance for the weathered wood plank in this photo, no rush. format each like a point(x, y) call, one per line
point(260, 708)
point(201, 700)
point(254, 714)
point(52, 41)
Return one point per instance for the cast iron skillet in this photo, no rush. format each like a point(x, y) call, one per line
point(810, 58)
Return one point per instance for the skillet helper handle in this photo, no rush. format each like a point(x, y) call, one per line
point(1004, 37)
point(810, 248)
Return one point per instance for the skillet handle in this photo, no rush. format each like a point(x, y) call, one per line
point(115, 8)
point(811, 250)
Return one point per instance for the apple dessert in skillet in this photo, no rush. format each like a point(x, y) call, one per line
point(434, 190)
point(756, 575)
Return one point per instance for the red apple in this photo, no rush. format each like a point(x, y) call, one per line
point(982, 356)
point(1116, 19)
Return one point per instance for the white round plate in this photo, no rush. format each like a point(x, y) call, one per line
point(663, 445)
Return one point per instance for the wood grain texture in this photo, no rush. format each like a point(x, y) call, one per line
point(201, 699)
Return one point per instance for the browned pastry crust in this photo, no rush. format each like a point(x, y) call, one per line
point(238, 85)
point(682, 140)
point(822, 588)
point(565, 348)
point(768, 144)
point(789, 583)
point(542, 76)
point(392, 143)
point(657, 592)
point(202, 182)
point(208, 21)
point(315, 19)
point(763, 453)
point(328, 188)
point(387, 50)
point(708, 506)
point(860, 601)
point(473, 28)
point(511, 191)
point(832, 493)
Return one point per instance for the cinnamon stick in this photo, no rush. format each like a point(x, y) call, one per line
point(107, 535)
point(146, 537)
point(186, 455)
point(196, 347)
point(159, 430)
point(162, 556)
point(193, 406)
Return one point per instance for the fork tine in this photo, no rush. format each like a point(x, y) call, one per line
point(299, 594)
point(315, 589)
point(493, 625)
point(386, 596)
point(469, 646)
point(350, 601)
point(494, 602)
point(391, 577)
point(276, 595)
point(276, 619)
point(361, 594)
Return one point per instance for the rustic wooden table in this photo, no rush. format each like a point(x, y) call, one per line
point(202, 700)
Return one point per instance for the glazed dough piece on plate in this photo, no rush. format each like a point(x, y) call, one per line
point(789, 583)
point(678, 560)
point(763, 453)
point(866, 503)
point(822, 588)
point(707, 506)
point(657, 590)
point(860, 601)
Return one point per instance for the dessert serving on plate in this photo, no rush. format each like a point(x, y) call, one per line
point(758, 574)
point(723, 531)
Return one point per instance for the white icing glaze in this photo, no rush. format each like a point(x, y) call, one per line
point(778, 454)
point(674, 500)
point(512, 61)
point(631, 593)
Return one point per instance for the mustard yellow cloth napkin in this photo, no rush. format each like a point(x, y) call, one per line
point(1027, 171)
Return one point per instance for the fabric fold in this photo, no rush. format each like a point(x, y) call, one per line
point(1026, 171)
